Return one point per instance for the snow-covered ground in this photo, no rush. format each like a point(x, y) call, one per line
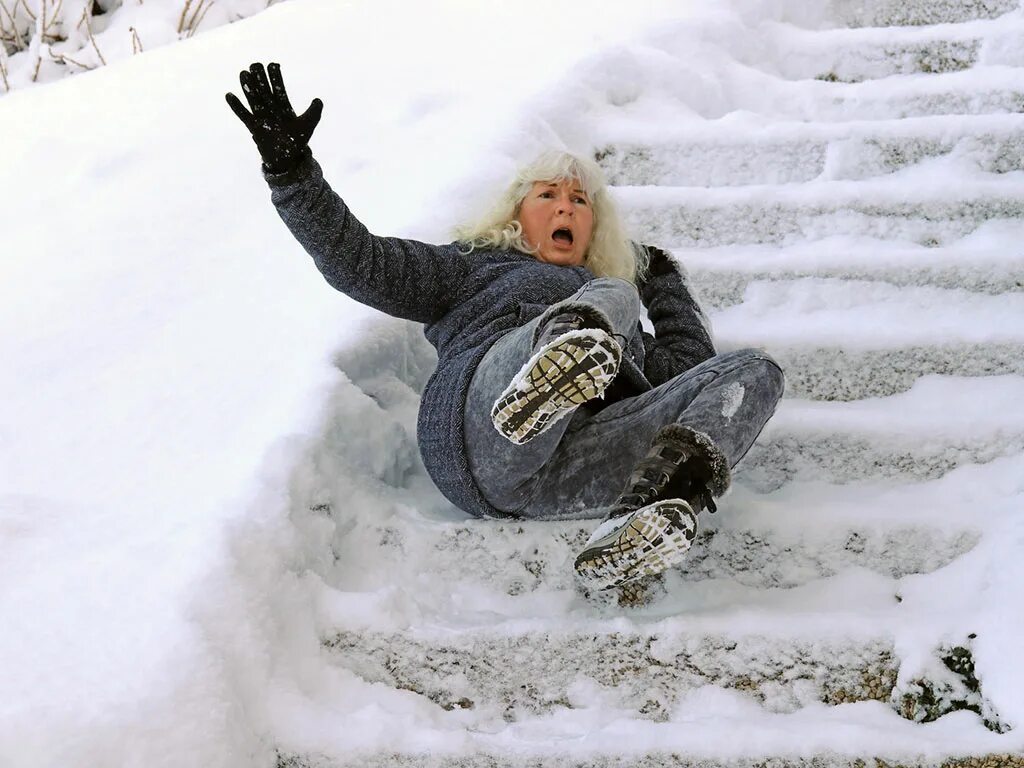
point(207, 456)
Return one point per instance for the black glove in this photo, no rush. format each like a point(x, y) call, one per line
point(281, 136)
point(660, 263)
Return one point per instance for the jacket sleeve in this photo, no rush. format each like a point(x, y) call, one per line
point(682, 332)
point(404, 278)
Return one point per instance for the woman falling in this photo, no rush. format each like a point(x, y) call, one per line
point(549, 401)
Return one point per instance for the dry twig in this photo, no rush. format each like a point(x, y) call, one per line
point(190, 24)
point(88, 31)
point(63, 58)
point(42, 23)
point(3, 68)
point(12, 36)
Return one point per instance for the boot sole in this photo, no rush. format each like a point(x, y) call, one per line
point(574, 368)
point(652, 540)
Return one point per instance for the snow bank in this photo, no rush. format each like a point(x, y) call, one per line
point(168, 353)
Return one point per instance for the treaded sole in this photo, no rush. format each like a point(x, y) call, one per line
point(650, 541)
point(574, 368)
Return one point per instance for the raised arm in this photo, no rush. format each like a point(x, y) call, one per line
point(404, 278)
point(682, 334)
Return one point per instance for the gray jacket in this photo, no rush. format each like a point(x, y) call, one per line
point(467, 302)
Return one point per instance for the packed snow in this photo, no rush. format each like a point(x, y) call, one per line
point(207, 456)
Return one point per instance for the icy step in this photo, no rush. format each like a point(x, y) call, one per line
point(941, 423)
point(890, 13)
point(517, 570)
point(513, 672)
point(846, 339)
point(979, 90)
point(711, 155)
point(855, 55)
point(721, 275)
point(830, 641)
point(780, 540)
point(485, 753)
point(923, 214)
point(841, 61)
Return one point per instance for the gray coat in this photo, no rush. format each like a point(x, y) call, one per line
point(466, 303)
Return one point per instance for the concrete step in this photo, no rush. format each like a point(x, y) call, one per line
point(644, 671)
point(882, 756)
point(845, 339)
point(942, 422)
point(721, 275)
point(855, 55)
point(839, 62)
point(929, 216)
point(888, 13)
point(864, 528)
point(979, 90)
point(833, 372)
point(787, 153)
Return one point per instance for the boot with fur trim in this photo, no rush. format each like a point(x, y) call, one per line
point(576, 359)
point(652, 524)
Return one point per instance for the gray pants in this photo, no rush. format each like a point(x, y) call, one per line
point(581, 464)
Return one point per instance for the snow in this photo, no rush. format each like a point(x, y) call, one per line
point(207, 456)
point(732, 399)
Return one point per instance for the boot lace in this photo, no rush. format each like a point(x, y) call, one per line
point(651, 475)
point(668, 474)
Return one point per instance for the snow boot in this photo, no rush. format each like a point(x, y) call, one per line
point(576, 358)
point(652, 524)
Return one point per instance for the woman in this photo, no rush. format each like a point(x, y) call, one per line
point(535, 317)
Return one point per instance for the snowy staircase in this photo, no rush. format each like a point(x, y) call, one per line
point(831, 236)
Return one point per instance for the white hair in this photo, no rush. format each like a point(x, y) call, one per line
point(609, 254)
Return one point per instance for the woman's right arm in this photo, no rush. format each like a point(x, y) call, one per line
point(404, 278)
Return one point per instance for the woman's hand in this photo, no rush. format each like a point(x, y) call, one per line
point(281, 136)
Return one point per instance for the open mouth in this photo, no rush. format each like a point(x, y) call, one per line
point(562, 236)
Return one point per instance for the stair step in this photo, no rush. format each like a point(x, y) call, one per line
point(922, 215)
point(720, 276)
point(859, 54)
point(942, 422)
point(863, 529)
point(503, 757)
point(711, 156)
point(857, 63)
point(977, 91)
point(891, 13)
point(804, 533)
point(836, 373)
point(846, 339)
point(644, 671)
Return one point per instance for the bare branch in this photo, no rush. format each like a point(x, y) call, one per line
point(195, 11)
point(188, 23)
point(181, 21)
point(27, 9)
point(5, 12)
point(37, 39)
point(193, 27)
point(56, 14)
point(20, 44)
point(3, 69)
point(88, 31)
point(62, 58)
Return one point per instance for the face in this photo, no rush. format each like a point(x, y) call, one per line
point(557, 219)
